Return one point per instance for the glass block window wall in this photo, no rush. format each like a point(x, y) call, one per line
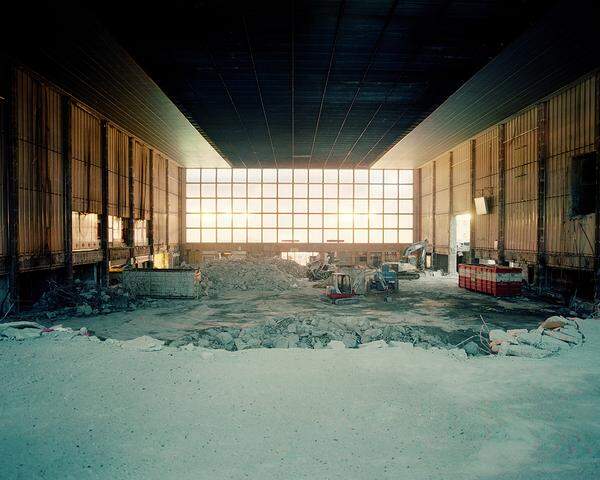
point(299, 206)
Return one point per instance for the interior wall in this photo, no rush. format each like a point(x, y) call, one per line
point(552, 131)
point(48, 120)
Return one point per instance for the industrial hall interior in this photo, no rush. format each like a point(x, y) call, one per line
point(300, 239)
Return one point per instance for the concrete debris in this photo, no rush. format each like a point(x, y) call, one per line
point(471, 349)
point(553, 335)
point(314, 330)
point(83, 299)
point(270, 274)
point(336, 345)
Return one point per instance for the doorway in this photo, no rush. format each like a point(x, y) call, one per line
point(460, 235)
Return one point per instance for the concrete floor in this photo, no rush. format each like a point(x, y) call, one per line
point(435, 304)
point(76, 409)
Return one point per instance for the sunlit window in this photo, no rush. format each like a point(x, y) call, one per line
point(299, 206)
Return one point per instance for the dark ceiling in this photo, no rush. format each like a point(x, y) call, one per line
point(315, 82)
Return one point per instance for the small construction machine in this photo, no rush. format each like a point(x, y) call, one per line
point(417, 260)
point(341, 290)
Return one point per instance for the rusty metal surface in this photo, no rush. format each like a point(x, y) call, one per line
point(571, 124)
point(86, 171)
point(40, 170)
point(173, 203)
point(118, 173)
point(141, 180)
point(521, 207)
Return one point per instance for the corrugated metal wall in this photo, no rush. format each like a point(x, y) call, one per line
point(427, 202)
point(571, 124)
point(159, 185)
point(486, 185)
point(442, 202)
point(86, 163)
point(570, 129)
point(118, 173)
point(141, 181)
point(40, 181)
point(40, 161)
point(3, 192)
point(521, 151)
point(461, 178)
point(173, 202)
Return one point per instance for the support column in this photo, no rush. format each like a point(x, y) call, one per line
point(67, 149)
point(151, 201)
point(501, 191)
point(450, 194)
point(473, 167)
point(130, 220)
point(12, 180)
point(417, 205)
point(542, 155)
point(105, 265)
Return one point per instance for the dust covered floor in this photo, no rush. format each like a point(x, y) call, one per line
point(434, 305)
point(74, 408)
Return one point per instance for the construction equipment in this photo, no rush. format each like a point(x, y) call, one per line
point(392, 272)
point(320, 270)
point(341, 292)
point(417, 261)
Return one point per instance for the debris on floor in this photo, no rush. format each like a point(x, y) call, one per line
point(267, 274)
point(83, 299)
point(308, 331)
point(554, 334)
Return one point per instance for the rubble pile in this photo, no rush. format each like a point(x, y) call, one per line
point(289, 266)
point(84, 299)
point(246, 274)
point(308, 331)
point(554, 334)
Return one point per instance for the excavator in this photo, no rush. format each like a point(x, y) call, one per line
point(341, 291)
point(417, 260)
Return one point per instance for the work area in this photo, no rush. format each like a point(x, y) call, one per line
point(310, 239)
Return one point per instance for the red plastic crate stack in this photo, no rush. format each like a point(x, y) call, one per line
point(490, 279)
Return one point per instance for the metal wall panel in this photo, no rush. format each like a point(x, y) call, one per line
point(141, 181)
point(571, 128)
point(571, 124)
point(118, 173)
point(461, 178)
point(86, 163)
point(40, 162)
point(442, 232)
point(486, 184)
point(159, 185)
point(3, 190)
point(521, 186)
point(427, 202)
point(173, 202)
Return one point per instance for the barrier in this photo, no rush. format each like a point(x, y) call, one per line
point(490, 279)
